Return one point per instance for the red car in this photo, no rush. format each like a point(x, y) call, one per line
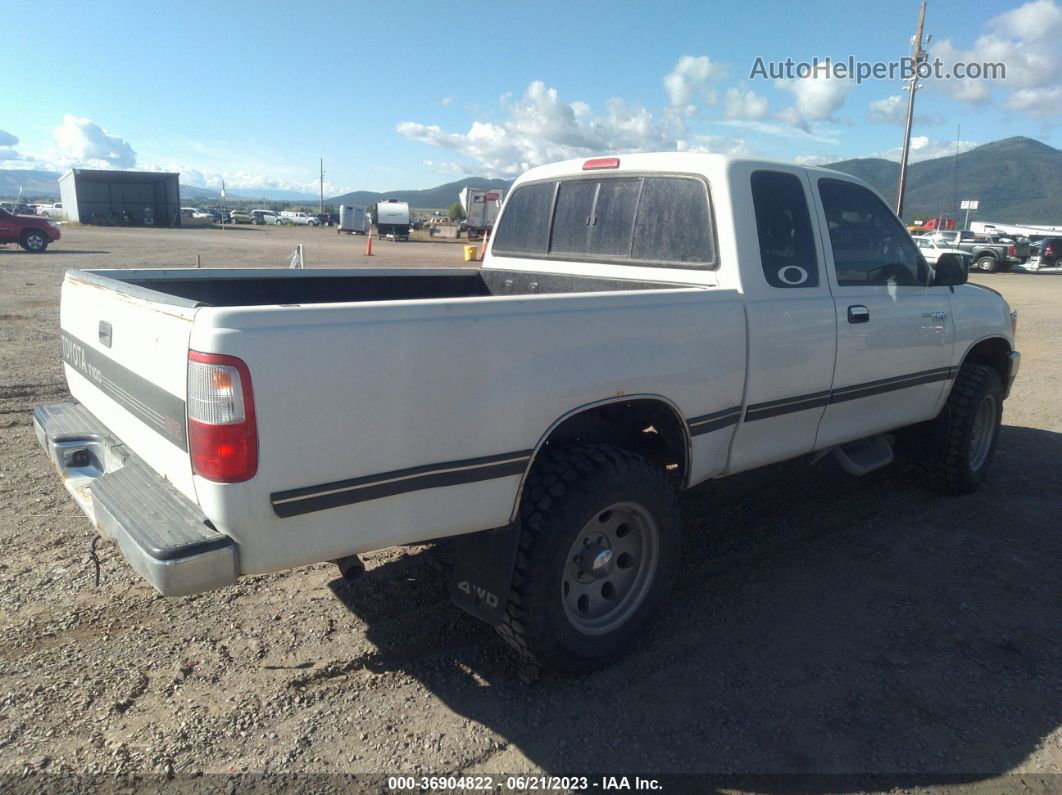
point(33, 232)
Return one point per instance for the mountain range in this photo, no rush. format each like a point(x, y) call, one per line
point(1016, 180)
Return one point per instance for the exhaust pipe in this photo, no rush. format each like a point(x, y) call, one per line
point(350, 567)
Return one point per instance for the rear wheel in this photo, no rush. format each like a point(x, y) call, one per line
point(987, 263)
point(600, 536)
point(34, 241)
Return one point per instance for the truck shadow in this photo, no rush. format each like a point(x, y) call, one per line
point(821, 627)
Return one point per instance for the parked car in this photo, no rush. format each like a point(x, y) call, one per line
point(51, 210)
point(327, 219)
point(268, 217)
point(300, 218)
point(673, 341)
point(1046, 253)
point(240, 217)
point(32, 232)
point(932, 248)
point(18, 208)
point(989, 253)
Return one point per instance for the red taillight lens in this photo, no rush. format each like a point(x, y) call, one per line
point(1011, 251)
point(1048, 251)
point(601, 162)
point(222, 432)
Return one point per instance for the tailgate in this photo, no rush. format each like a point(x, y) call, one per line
point(126, 360)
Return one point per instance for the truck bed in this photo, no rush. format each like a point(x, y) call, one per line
point(267, 287)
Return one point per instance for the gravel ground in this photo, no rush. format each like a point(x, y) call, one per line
point(820, 624)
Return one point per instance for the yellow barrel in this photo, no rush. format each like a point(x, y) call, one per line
point(470, 254)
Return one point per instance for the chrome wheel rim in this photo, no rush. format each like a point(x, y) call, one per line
point(610, 568)
point(982, 432)
point(34, 242)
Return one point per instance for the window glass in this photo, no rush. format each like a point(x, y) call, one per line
point(787, 245)
point(673, 224)
point(613, 221)
point(870, 246)
point(572, 217)
point(524, 226)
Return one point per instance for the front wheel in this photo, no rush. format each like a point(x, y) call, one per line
point(34, 242)
point(962, 440)
point(599, 541)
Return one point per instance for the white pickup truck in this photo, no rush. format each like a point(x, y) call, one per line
point(640, 325)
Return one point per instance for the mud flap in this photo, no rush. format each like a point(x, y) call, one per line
point(483, 572)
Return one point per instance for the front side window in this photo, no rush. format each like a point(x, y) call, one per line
point(870, 246)
point(787, 245)
point(628, 220)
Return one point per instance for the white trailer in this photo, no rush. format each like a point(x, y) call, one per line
point(1019, 230)
point(353, 220)
point(392, 218)
point(481, 206)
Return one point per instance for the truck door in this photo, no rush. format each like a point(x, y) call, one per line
point(894, 330)
point(790, 314)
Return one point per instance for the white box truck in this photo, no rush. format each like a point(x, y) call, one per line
point(392, 218)
point(481, 206)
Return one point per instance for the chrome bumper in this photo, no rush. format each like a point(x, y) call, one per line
point(161, 533)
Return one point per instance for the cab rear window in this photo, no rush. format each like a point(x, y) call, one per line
point(637, 220)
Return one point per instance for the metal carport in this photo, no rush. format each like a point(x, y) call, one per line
point(139, 198)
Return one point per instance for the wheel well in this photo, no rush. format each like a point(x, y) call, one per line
point(994, 353)
point(648, 427)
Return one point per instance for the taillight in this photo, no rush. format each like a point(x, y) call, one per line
point(1011, 251)
point(600, 162)
point(222, 433)
point(1048, 251)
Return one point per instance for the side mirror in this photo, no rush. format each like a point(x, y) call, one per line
point(949, 271)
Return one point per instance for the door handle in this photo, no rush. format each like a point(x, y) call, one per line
point(936, 315)
point(858, 314)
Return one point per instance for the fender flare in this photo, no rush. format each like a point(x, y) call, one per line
point(670, 404)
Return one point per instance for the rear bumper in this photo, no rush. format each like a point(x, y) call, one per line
point(161, 533)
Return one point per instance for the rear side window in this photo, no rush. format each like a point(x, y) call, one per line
point(524, 227)
point(628, 220)
point(787, 246)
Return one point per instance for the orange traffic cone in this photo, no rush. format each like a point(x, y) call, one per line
point(483, 248)
point(368, 245)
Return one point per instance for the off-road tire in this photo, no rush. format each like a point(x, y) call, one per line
point(34, 241)
point(949, 437)
point(566, 488)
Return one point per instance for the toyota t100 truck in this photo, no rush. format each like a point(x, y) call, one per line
point(640, 324)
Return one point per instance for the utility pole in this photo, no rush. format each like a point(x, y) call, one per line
point(912, 87)
point(322, 187)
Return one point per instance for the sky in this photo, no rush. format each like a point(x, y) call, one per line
point(412, 95)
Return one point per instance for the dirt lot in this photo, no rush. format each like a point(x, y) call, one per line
point(821, 624)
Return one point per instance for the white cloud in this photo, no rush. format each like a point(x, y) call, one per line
point(1025, 39)
point(7, 146)
point(736, 147)
point(1039, 20)
point(690, 80)
point(819, 132)
point(445, 101)
point(542, 128)
point(817, 97)
point(925, 148)
point(744, 105)
point(891, 109)
point(83, 142)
